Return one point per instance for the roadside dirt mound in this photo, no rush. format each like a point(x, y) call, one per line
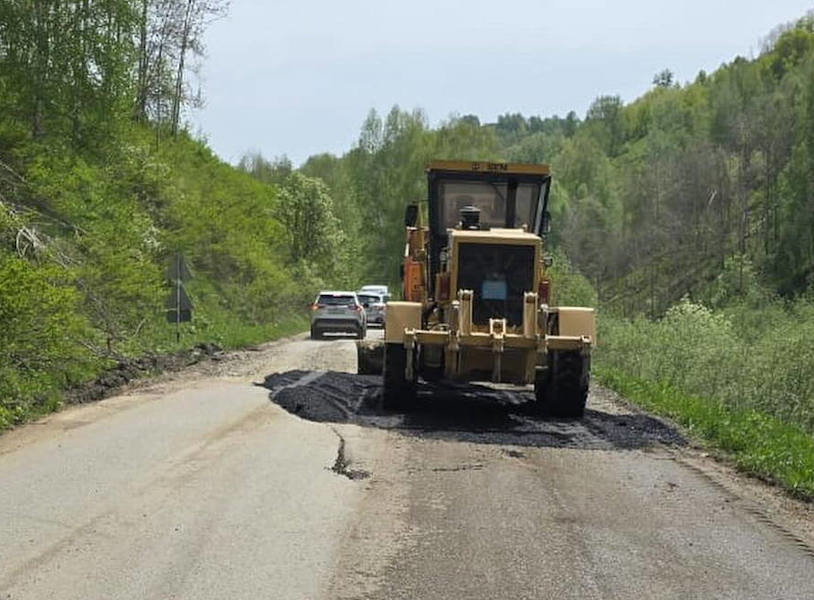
point(129, 369)
point(466, 412)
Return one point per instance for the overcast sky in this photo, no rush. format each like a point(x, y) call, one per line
point(299, 77)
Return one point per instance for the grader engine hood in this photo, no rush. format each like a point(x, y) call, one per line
point(499, 268)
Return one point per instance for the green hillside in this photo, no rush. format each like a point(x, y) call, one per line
point(100, 187)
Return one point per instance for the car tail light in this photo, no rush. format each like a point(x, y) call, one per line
point(544, 291)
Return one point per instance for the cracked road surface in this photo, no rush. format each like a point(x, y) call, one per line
point(197, 486)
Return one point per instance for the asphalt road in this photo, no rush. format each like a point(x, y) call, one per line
point(198, 486)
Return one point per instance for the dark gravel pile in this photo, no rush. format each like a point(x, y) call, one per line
point(323, 396)
point(464, 412)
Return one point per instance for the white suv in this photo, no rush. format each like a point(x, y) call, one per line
point(337, 312)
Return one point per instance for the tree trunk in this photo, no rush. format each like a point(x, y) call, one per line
point(179, 79)
point(141, 89)
point(40, 69)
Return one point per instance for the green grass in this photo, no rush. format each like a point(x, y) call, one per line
point(14, 413)
point(239, 335)
point(759, 444)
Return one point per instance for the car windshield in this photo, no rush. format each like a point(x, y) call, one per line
point(490, 198)
point(336, 299)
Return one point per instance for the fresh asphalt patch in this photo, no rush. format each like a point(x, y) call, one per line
point(463, 412)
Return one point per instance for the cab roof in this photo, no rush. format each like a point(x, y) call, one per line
point(488, 167)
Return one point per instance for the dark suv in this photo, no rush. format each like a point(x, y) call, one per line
point(337, 312)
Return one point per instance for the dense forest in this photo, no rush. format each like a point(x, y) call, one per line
point(686, 215)
point(653, 200)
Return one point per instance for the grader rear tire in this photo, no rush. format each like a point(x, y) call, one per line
point(369, 357)
point(561, 387)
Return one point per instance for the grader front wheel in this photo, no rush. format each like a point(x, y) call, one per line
point(561, 386)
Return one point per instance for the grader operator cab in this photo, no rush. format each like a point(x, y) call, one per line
point(476, 295)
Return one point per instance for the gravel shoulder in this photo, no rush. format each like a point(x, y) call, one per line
point(793, 516)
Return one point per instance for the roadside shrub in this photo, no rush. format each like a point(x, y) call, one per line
point(40, 349)
point(759, 358)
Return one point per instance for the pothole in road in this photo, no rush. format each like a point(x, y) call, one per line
point(462, 412)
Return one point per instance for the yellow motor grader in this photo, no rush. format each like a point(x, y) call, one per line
point(476, 295)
